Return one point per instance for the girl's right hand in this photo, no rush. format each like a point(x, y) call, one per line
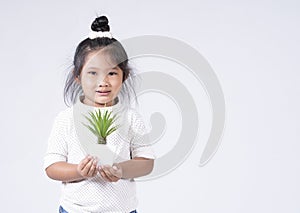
point(87, 168)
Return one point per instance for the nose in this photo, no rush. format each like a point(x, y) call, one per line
point(103, 83)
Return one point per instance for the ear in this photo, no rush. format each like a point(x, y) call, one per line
point(124, 77)
point(77, 79)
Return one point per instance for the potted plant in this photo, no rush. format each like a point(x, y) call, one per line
point(101, 124)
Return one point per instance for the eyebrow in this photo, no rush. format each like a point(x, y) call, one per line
point(97, 68)
point(93, 68)
point(115, 68)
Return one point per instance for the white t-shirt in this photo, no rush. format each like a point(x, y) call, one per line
point(95, 194)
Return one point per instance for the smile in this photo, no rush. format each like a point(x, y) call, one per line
point(103, 93)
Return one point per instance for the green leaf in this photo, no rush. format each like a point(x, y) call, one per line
point(101, 124)
point(92, 123)
point(91, 129)
point(111, 130)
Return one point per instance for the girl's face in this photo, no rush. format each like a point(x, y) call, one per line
point(100, 79)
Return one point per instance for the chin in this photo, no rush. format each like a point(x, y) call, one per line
point(103, 100)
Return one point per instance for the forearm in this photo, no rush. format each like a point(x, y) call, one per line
point(63, 171)
point(136, 167)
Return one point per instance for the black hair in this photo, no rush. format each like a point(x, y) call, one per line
point(115, 51)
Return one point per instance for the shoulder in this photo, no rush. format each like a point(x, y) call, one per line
point(134, 115)
point(64, 116)
point(66, 113)
point(136, 119)
point(62, 122)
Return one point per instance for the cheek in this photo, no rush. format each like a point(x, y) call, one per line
point(87, 82)
point(117, 84)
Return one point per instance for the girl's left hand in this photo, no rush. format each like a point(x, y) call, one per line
point(111, 173)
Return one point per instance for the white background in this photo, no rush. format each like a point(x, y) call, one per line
point(253, 46)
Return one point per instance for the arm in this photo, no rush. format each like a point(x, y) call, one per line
point(139, 146)
point(134, 168)
point(68, 172)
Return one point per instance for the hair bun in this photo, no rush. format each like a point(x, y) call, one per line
point(100, 24)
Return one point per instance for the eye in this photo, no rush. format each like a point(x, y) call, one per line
point(112, 73)
point(92, 73)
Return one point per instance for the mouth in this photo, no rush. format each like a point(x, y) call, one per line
point(103, 93)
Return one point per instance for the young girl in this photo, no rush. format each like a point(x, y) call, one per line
point(100, 79)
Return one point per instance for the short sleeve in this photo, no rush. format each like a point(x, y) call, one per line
point(57, 149)
point(140, 145)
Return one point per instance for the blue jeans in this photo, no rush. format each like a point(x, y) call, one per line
point(61, 210)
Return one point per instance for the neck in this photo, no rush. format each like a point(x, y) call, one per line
point(111, 103)
point(95, 104)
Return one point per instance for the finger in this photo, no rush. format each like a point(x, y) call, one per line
point(106, 169)
point(95, 161)
point(92, 170)
point(112, 171)
point(114, 179)
point(116, 172)
point(83, 163)
point(87, 168)
point(95, 172)
point(104, 176)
